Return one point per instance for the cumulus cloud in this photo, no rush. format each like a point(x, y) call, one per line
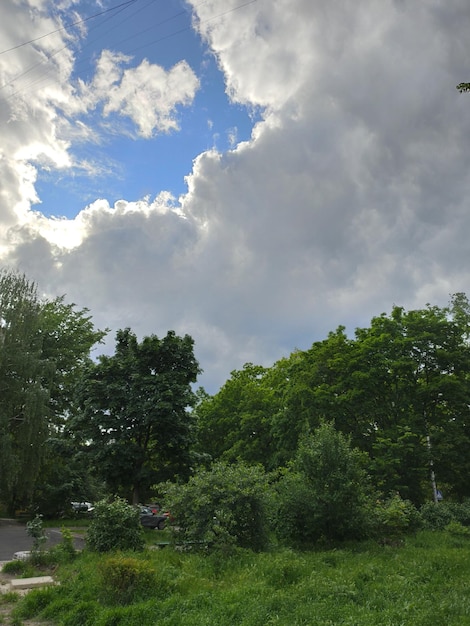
point(350, 196)
point(149, 96)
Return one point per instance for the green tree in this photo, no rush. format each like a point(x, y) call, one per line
point(68, 336)
point(25, 381)
point(42, 345)
point(399, 389)
point(234, 424)
point(134, 422)
point(325, 494)
point(415, 367)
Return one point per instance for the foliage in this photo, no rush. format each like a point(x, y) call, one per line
point(224, 507)
point(124, 579)
point(234, 423)
point(25, 379)
point(42, 346)
point(66, 476)
point(35, 529)
point(18, 567)
point(422, 583)
point(325, 496)
point(456, 528)
point(399, 389)
point(134, 425)
point(438, 516)
point(64, 551)
point(395, 516)
point(115, 526)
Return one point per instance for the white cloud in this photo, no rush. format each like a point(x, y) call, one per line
point(149, 96)
point(351, 195)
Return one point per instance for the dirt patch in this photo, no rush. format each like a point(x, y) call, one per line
point(6, 610)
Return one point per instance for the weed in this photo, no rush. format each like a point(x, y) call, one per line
point(424, 583)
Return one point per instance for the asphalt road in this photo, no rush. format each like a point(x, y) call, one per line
point(14, 538)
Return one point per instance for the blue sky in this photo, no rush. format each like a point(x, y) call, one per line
point(161, 32)
point(330, 186)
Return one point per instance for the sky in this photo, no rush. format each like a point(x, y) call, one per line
point(252, 173)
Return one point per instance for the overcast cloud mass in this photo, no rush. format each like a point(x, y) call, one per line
point(351, 196)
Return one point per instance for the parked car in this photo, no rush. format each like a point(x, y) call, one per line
point(148, 519)
point(155, 508)
point(81, 507)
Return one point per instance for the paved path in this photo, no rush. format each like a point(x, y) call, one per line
point(14, 538)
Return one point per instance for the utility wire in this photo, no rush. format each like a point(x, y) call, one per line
point(146, 45)
point(118, 9)
point(57, 30)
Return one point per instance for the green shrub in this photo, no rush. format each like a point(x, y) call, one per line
point(436, 516)
point(34, 602)
point(64, 552)
point(222, 508)
point(456, 528)
point(396, 516)
point(124, 579)
point(35, 529)
point(460, 511)
point(325, 494)
point(115, 526)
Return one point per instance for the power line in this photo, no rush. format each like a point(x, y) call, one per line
point(146, 45)
point(58, 30)
point(118, 9)
point(186, 28)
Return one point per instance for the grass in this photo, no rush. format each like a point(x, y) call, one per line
point(426, 582)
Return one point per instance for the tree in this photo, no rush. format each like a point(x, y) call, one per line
point(325, 495)
point(25, 379)
point(234, 423)
point(134, 422)
point(400, 390)
point(42, 345)
point(68, 336)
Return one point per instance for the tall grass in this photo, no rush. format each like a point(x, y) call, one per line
point(424, 582)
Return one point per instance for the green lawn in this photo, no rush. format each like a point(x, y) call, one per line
point(424, 582)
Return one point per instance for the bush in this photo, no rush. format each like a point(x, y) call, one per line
point(324, 496)
point(64, 552)
point(125, 579)
point(396, 516)
point(225, 507)
point(35, 530)
point(456, 528)
point(436, 516)
point(461, 511)
point(115, 526)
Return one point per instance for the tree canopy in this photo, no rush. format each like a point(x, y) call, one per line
point(398, 388)
point(42, 344)
point(134, 422)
